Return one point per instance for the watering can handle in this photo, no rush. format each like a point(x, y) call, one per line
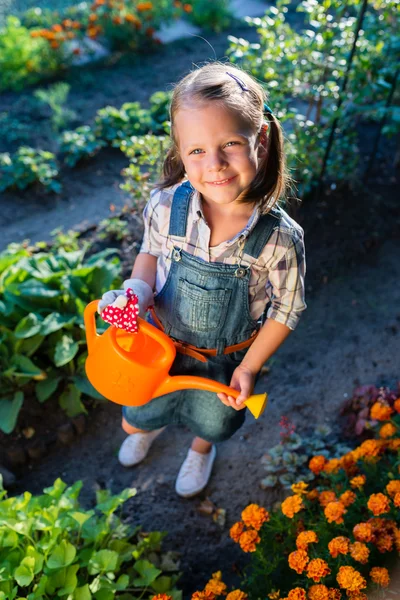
point(159, 336)
point(90, 323)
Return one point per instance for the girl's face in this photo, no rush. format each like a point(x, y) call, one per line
point(218, 150)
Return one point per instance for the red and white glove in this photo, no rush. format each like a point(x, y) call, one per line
point(139, 287)
point(123, 312)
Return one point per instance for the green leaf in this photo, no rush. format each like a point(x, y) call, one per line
point(62, 555)
point(9, 409)
point(103, 561)
point(86, 387)
point(82, 593)
point(70, 582)
point(104, 594)
point(70, 401)
point(65, 351)
point(44, 389)
point(147, 571)
point(28, 326)
point(162, 584)
point(37, 557)
point(54, 322)
point(24, 573)
point(24, 366)
point(81, 517)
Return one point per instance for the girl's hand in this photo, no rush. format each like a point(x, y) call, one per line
point(242, 380)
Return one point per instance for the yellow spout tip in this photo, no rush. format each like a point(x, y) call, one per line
point(256, 404)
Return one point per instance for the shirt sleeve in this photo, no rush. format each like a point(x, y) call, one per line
point(286, 277)
point(151, 243)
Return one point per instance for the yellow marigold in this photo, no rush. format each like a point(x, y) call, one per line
point(334, 594)
point(254, 516)
point(393, 487)
point(236, 531)
point(297, 594)
point(396, 500)
point(339, 545)
point(327, 496)
point(358, 482)
point(378, 504)
point(248, 540)
point(298, 560)
point(313, 494)
point(386, 431)
point(351, 580)
point(144, 6)
point(380, 412)
point(363, 532)
point(332, 466)
point(380, 576)
point(318, 592)
point(300, 488)
point(334, 512)
point(236, 595)
point(291, 506)
point(216, 587)
point(396, 405)
point(317, 464)
point(360, 552)
point(317, 569)
point(304, 538)
point(347, 498)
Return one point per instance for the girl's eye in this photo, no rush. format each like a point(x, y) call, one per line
point(196, 151)
point(231, 143)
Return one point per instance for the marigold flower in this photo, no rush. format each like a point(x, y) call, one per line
point(291, 506)
point(318, 592)
point(298, 560)
point(317, 569)
point(363, 532)
point(394, 445)
point(142, 6)
point(383, 542)
point(162, 597)
point(393, 487)
point(313, 495)
point(299, 488)
point(378, 504)
point(236, 595)
point(358, 482)
point(380, 412)
point(297, 594)
point(339, 545)
point(396, 500)
point(334, 594)
point(54, 45)
point(396, 405)
point(386, 431)
point(304, 538)
point(334, 512)
point(188, 8)
point(317, 464)
point(327, 496)
point(203, 596)
point(350, 579)
point(254, 516)
point(380, 576)
point(275, 595)
point(236, 531)
point(132, 19)
point(216, 587)
point(348, 463)
point(360, 552)
point(57, 28)
point(347, 498)
point(248, 540)
point(396, 536)
point(332, 466)
point(369, 449)
point(357, 596)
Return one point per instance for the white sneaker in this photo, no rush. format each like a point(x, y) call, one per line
point(136, 446)
point(194, 473)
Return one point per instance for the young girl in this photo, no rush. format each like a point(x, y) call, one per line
point(221, 262)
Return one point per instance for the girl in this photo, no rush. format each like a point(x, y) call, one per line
point(221, 262)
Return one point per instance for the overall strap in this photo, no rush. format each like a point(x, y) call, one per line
point(262, 232)
point(180, 209)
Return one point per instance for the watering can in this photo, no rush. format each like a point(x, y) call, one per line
point(133, 368)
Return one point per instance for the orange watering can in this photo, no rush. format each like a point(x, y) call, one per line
point(133, 368)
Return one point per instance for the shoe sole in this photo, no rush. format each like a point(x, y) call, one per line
point(195, 492)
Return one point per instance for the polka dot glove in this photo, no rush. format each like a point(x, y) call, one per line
point(123, 312)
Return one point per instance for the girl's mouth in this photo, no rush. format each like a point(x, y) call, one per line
point(222, 181)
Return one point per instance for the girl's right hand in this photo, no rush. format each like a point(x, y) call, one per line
point(142, 290)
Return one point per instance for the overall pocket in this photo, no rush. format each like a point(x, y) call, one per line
point(199, 309)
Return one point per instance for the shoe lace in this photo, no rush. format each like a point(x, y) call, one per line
point(193, 463)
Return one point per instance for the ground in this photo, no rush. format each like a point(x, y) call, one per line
point(348, 336)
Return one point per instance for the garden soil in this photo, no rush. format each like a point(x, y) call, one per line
point(349, 335)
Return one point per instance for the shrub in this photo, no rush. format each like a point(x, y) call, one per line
point(78, 144)
point(28, 166)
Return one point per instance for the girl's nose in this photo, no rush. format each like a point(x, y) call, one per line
point(217, 162)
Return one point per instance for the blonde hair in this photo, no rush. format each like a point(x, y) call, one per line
point(240, 93)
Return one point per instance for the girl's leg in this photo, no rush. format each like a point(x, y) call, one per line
point(201, 446)
point(130, 428)
point(136, 446)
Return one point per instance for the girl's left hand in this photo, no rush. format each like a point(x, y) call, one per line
point(242, 380)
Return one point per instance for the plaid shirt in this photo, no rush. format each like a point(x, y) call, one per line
point(277, 275)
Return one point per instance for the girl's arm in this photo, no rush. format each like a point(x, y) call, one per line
point(145, 268)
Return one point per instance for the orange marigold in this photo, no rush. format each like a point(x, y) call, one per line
point(318, 592)
point(332, 466)
point(350, 579)
point(334, 594)
point(327, 496)
point(317, 569)
point(396, 500)
point(236, 595)
point(347, 498)
point(142, 6)
point(304, 538)
point(348, 463)
point(334, 512)
point(369, 449)
point(396, 405)
point(386, 431)
point(363, 532)
point(381, 412)
point(297, 594)
point(396, 536)
point(339, 545)
point(383, 542)
point(394, 445)
point(299, 488)
point(358, 482)
point(378, 504)
point(357, 596)
point(162, 597)
point(254, 516)
point(248, 540)
point(188, 8)
point(215, 585)
point(380, 576)
point(393, 487)
point(236, 531)
point(313, 495)
point(360, 552)
point(203, 596)
point(317, 464)
point(298, 560)
point(291, 506)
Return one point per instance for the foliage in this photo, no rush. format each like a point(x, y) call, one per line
point(113, 124)
point(303, 71)
point(42, 340)
point(50, 546)
point(78, 144)
point(12, 129)
point(330, 539)
point(28, 166)
point(114, 228)
point(356, 410)
point(56, 96)
point(208, 14)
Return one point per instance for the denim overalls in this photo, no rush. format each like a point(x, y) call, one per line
point(206, 305)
